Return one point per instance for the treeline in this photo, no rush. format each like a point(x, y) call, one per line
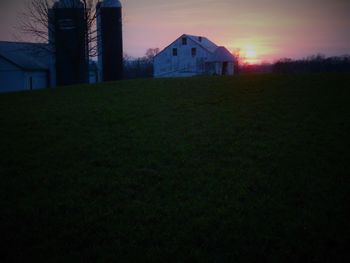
point(143, 67)
point(254, 68)
point(140, 67)
point(313, 64)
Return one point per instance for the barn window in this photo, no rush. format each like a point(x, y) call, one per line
point(194, 52)
point(184, 41)
point(174, 52)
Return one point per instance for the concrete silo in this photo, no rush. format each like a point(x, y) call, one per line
point(110, 40)
point(68, 35)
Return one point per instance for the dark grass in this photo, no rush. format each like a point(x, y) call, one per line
point(245, 169)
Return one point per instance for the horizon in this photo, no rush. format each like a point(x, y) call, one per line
point(263, 31)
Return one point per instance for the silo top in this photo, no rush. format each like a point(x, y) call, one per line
point(111, 3)
point(68, 4)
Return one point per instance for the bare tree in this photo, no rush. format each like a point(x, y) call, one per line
point(236, 52)
point(151, 53)
point(35, 23)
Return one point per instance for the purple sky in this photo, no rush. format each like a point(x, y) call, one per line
point(264, 30)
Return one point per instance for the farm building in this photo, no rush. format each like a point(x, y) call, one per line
point(24, 66)
point(30, 66)
point(191, 56)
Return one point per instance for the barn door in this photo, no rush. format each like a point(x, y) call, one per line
point(31, 83)
point(224, 68)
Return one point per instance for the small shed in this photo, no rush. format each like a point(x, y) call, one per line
point(221, 62)
point(23, 66)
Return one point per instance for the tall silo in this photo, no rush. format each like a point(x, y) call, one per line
point(110, 40)
point(69, 37)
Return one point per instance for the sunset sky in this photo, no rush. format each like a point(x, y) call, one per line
point(264, 30)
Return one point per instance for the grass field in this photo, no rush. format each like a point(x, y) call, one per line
point(252, 168)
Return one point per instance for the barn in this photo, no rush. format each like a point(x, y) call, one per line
point(191, 55)
point(24, 66)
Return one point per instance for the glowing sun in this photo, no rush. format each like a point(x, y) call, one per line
point(250, 54)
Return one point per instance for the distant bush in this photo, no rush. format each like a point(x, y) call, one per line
point(313, 64)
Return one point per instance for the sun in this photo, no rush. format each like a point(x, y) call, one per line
point(250, 54)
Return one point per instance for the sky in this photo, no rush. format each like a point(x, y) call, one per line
point(263, 30)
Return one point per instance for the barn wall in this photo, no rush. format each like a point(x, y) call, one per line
point(39, 80)
point(12, 78)
point(182, 65)
point(52, 70)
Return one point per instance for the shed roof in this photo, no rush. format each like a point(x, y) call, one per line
point(27, 56)
point(221, 54)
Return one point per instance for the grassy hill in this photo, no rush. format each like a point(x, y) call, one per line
point(247, 169)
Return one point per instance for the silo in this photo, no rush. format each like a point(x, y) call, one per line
point(110, 40)
point(69, 36)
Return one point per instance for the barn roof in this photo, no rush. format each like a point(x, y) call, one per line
point(27, 56)
point(204, 42)
point(221, 54)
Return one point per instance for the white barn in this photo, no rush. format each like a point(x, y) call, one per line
point(23, 66)
point(192, 56)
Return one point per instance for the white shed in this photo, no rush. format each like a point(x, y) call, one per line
point(192, 55)
point(221, 62)
point(23, 66)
